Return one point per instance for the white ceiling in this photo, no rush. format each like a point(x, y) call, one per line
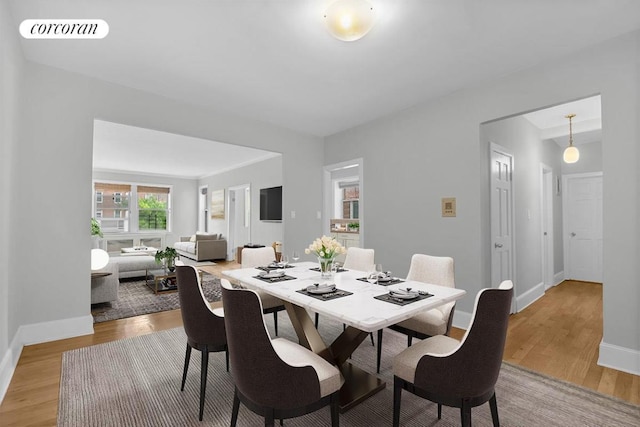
point(272, 60)
point(553, 124)
point(122, 148)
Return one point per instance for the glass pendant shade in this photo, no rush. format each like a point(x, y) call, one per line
point(349, 20)
point(571, 154)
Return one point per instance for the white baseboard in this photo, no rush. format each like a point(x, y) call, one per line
point(39, 333)
point(620, 358)
point(8, 365)
point(529, 297)
point(558, 278)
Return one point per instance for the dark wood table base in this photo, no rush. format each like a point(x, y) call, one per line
point(358, 384)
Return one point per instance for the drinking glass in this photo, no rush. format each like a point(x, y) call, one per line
point(284, 261)
point(295, 256)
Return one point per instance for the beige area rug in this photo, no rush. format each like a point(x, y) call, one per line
point(136, 382)
point(187, 261)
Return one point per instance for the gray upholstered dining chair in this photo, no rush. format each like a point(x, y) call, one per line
point(203, 325)
point(276, 379)
point(257, 257)
point(437, 321)
point(460, 374)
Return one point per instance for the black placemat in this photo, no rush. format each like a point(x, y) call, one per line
point(269, 268)
point(398, 301)
point(274, 279)
point(338, 293)
point(394, 281)
point(340, 270)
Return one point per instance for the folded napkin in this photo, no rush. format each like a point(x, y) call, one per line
point(321, 288)
point(272, 274)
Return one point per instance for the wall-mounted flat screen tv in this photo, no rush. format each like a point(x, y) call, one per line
point(271, 204)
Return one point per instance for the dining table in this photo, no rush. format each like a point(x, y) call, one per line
point(347, 297)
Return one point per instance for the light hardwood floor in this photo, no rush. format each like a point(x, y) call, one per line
point(558, 335)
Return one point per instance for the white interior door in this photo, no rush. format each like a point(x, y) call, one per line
point(239, 218)
point(203, 210)
point(502, 228)
point(583, 226)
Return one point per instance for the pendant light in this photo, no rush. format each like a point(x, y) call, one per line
point(349, 20)
point(571, 153)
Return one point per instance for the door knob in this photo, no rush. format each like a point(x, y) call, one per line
point(497, 245)
point(573, 234)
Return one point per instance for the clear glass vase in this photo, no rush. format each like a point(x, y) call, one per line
point(326, 265)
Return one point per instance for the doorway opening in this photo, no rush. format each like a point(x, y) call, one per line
point(537, 140)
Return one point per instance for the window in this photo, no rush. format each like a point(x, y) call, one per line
point(150, 210)
point(153, 207)
point(350, 201)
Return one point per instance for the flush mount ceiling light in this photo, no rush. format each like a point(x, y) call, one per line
point(349, 20)
point(571, 153)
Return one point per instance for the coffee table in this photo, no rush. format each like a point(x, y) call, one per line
point(163, 281)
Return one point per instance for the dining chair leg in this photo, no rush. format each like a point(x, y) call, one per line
point(379, 350)
point(371, 336)
point(335, 409)
point(493, 404)
point(409, 339)
point(397, 396)
point(236, 408)
point(317, 320)
point(203, 378)
point(439, 411)
point(226, 354)
point(187, 358)
point(275, 321)
point(465, 413)
point(269, 419)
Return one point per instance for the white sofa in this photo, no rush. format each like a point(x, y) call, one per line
point(202, 247)
point(134, 265)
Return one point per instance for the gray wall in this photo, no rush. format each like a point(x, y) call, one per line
point(184, 200)
point(434, 150)
point(56, 143)
point(590, 159)
point(11, 65)
point(264, 174)
point(523, 140)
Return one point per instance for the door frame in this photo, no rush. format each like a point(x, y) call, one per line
point(546, 216)
point(493, 147)
point(565, 214)
point(328, 199)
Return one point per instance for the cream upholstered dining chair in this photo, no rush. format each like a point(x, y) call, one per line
point(203, 325)
point(460, 374)
point(437, 321)
point(358, 259)
point(276, 379)
point(257, 257)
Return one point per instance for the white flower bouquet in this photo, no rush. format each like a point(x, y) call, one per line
point(325, 247)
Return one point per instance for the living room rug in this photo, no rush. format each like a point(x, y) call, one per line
point(136, 382)
point(136, 298)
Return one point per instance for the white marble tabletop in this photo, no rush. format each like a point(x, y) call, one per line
point(359, 310)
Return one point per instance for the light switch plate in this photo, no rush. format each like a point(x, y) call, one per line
point(448, 206)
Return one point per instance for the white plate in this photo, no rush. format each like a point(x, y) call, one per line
point(404, 295)
point(272, 274)
point(319, 290)
point(385, 279)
